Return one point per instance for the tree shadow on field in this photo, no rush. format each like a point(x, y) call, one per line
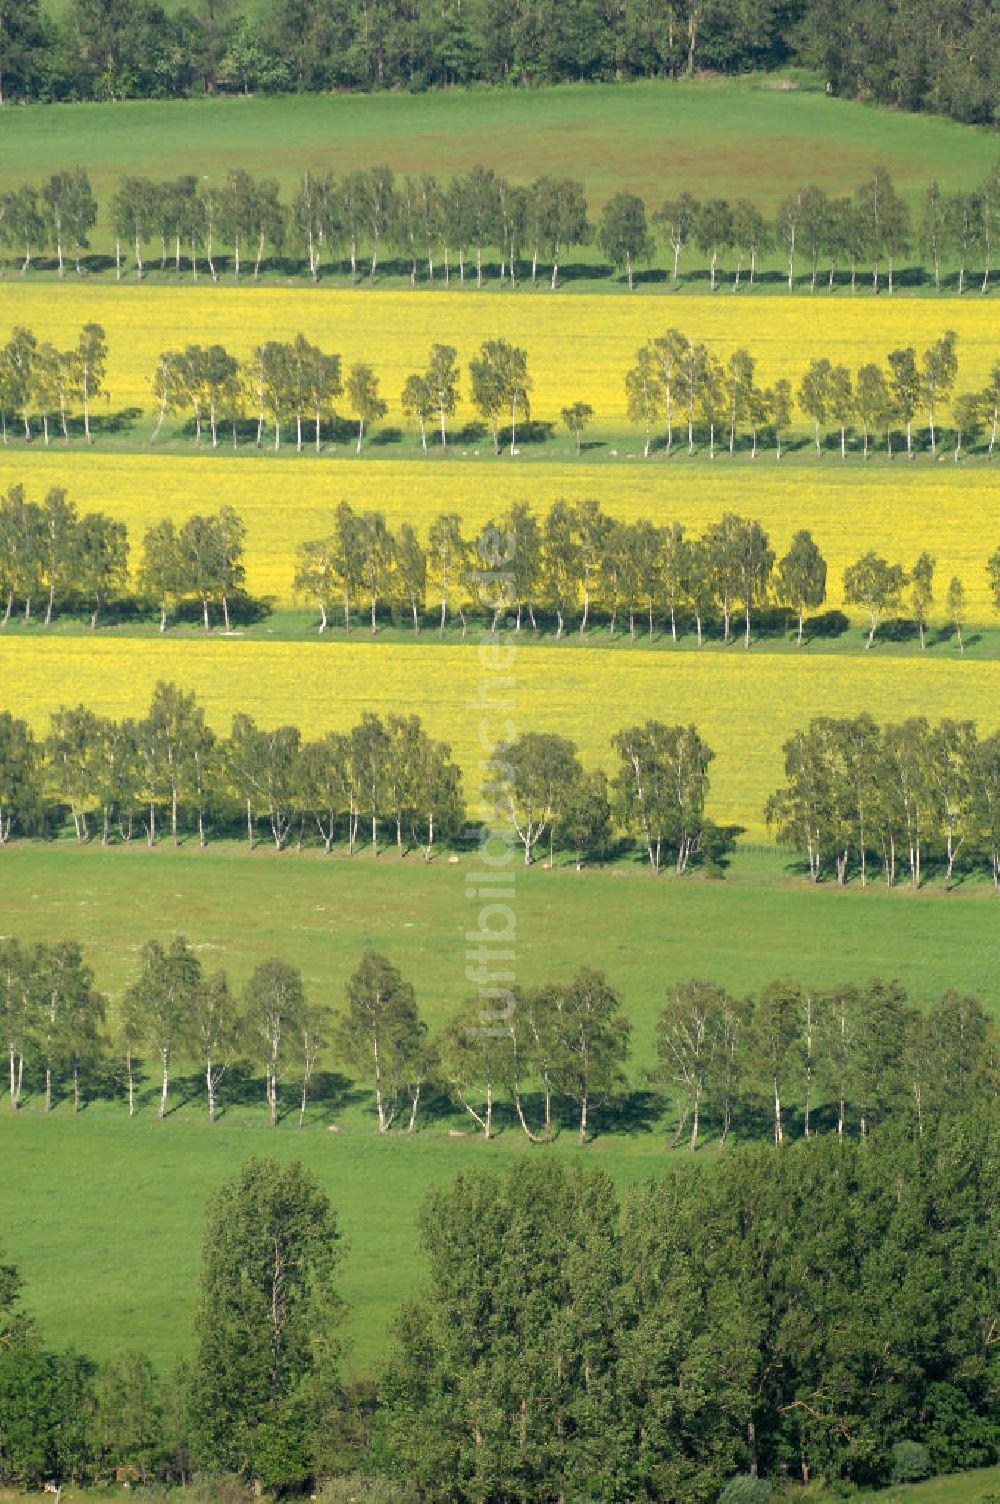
point(243, 1086)
point(941, 635)
point(244, 611)
point(770, 622)
point(826, 626)
point(647, 276)
point(577, 271)
point(632, 1111)
point(94, 263)
point(636, 1111)
point(910, 277)
point(378, 438)
point(473, 432)
point(897, 629)
point(104, 425)
point(185, 1089)
point(533, 431)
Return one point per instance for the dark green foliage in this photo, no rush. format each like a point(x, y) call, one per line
point(46, 1399)
point(21, 803)
point(911, 1462)
point(267, 1325)
point(799, 1311)
point(806, 1312)
point(128, 1422)
point(502, 1385)
point(937, 57)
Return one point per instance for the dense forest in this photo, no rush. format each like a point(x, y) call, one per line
point(922, 55)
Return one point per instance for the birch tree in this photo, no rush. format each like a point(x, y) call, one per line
point(801, 578)
point(875, 584)
point(676, 221)
point(956, 605)
point(623, 235)
point(938, 371)
point(754, 562)
point(576, 419)
point(687, 1037)
point(416, 402)
point(922, 592)
point(273, 1001)
point(101, 559)
point(905, 386)
point(644, 394)
point(380, 1031)
point(448, 552)
point(815, 395)
point(873, 404)
point(363, 396)
point(589, 1043)
point(661, 788)
point(774, 1035)
point(535, 774)
point(89, 364)
point(72, 212)
point(21, 767)
point(216, 1028)
point(163, 997)
point(476, 1060)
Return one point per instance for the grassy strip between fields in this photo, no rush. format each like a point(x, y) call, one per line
point(774, 631)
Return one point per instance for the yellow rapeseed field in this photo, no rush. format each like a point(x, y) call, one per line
point(745, 704)
point(898, 510)
point(578, 347)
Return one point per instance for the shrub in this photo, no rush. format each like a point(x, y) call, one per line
point(356, 1489)
point(219, 1488)
point(910, 1462)
point(745, 1488)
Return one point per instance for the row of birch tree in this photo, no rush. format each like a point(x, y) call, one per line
point(868, 801)
point(479, 223)
point(840, 1059)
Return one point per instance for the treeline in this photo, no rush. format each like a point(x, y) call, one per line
point(683, 384)
point(169, 767)
point(675, 380)
point(294, 385)
point(49, 553)
point(857, 795)
point(435, 230)
point(39, 382)
point(937, 59)
point(860, 797)
point(555, 1322)
point(790, 1061)
point(576, 560)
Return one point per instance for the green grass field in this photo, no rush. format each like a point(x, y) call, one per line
point(104, 1215)
point(719, 137)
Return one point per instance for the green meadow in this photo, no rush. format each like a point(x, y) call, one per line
point(724, 137)
point(104, 1215)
